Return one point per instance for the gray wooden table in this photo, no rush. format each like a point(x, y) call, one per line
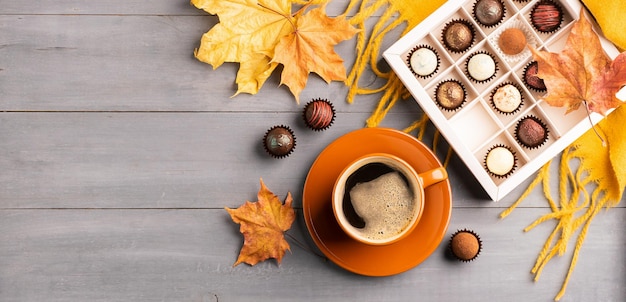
point(119, 151)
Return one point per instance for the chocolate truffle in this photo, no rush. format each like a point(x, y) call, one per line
point(450, 94)
point(481, 67)
point(531, 79)
point(546, 16)
point(512, 41)
point(279, 141)
point(506, 98)
point(458, 35)
point(319, 114)
point(489, 12)
point(500, 161)
point(531, 132)
point(423, 61)
point(465, 245)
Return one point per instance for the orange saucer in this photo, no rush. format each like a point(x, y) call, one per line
point(355, 256)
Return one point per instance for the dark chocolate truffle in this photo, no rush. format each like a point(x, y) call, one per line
point(531, 79)
point(500, 161)
point(489, 12)
point(319, 114)
point(458, 35)
point(279, 141)
point(546, 16)
point(531, 132)
point(423, 61)
point(512, 41)
point(465, 245)
point(450, 94)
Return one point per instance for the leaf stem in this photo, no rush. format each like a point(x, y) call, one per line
point(305, 6)
point(592, 125)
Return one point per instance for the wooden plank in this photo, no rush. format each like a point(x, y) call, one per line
point(166, 160)
point(132, 63)
point(187, 255)
point(128, 160)
point(119, 7)
point(74, 7)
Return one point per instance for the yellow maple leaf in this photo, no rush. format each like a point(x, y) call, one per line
point(309, 48)
point(247, 33)
point(263, 224)
point(257, 35)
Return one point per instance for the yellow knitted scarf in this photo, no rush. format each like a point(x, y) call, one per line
point(591, 176)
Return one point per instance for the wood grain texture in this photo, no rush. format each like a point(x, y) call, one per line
point(132, 63)
point(187, 255)
point(120, 7)
point(172, 160)
point(119, 151)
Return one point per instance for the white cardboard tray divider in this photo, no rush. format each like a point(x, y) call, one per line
point(529, 161)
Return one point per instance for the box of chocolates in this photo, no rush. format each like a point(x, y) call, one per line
point(469, 68)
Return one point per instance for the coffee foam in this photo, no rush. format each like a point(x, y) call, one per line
point(386, 204)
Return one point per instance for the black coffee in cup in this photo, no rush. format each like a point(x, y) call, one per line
point(378, 200)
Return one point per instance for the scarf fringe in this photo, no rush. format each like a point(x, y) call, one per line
point(368, 48)
point(575, 211)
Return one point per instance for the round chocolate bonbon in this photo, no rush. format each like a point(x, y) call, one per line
point(546, 16)
point(489, 12)
point(458, 35)
point(450, 94)
point(279, 141)
point(531, 132)
point(319, 114)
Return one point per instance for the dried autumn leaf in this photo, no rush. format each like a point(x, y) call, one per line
point(309, 48)
point(247, 33)
point(582, 72)
point(263, 224)
point(250, 32)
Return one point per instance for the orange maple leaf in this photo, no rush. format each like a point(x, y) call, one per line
point(309, 48)
point(582, 72)
point(263, 224)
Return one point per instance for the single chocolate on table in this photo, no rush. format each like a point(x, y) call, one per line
point(450, 94)
point(279, 141)
point(319, 114)
point(458, 35)
point(489, 12)
point(546, 16)
point(465, 245)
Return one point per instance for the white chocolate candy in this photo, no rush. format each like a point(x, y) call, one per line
point(423, 61)
point(500, 161)
point(507, 98)
point(481, 67)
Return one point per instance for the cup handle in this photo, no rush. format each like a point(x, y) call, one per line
point(433, 176)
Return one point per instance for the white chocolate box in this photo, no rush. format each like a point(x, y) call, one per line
point(475, 127)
